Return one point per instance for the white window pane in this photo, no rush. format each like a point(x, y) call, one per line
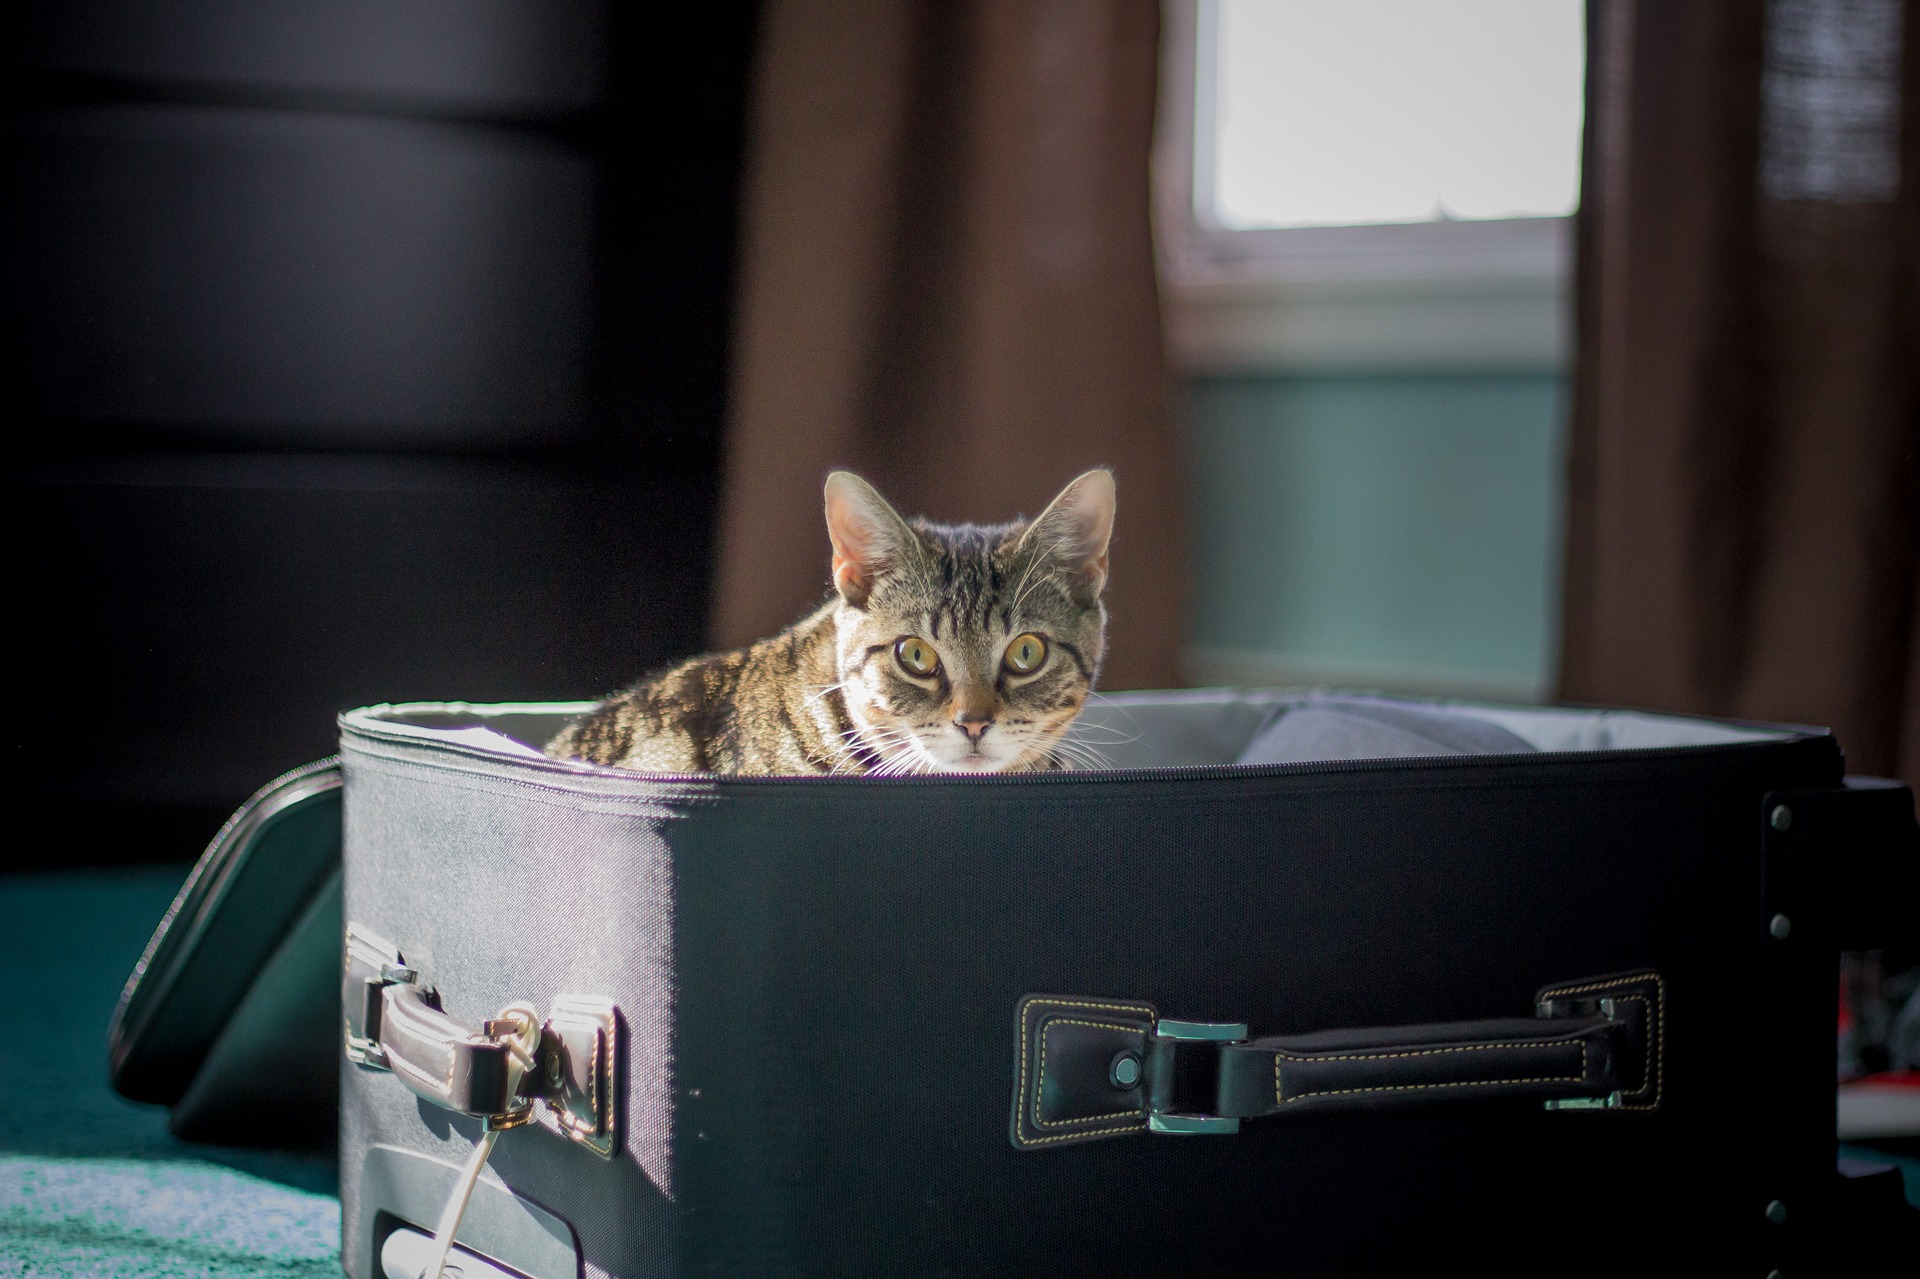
point(1349, 112)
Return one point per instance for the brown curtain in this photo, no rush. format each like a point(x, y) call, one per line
point(1743, 520)
point(947, 284)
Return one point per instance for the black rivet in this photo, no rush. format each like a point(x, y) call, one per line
point(1782, 817)
point(1124, 1071)
point(1776, 1212)
point(1780, 927)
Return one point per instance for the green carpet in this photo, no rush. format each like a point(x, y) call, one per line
point(92, 1184)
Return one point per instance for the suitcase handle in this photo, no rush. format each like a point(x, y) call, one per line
point(394, 1021)
point(1089, 1068)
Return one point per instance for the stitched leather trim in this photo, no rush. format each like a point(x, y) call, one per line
point(1631, 988)
point(1282, 1055)
point(1035, 1019)
point(1040, 1081)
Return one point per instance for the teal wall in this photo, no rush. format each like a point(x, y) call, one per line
point(1401, 532)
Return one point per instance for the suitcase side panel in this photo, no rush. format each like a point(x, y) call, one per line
point(497, 892)
point(847, 1017)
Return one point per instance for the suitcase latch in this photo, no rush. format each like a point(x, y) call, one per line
point(1183, 1076)
point(394, 1022)
point(1090, 1068)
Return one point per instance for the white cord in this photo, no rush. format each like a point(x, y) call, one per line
point(457, 1205)
point(520, 1049)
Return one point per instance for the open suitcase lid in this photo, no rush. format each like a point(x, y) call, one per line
point(212, 1017)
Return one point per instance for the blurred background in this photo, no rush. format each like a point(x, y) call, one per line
point(357, 352)
point(494, 350)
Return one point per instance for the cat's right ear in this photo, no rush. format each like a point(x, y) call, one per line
point(869, 537)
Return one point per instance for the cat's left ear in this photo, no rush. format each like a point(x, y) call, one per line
point(869, 537)
point(1074, 530)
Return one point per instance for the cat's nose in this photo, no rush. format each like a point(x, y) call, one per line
point(975, 729)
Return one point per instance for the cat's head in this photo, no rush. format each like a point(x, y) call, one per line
point(968, 649)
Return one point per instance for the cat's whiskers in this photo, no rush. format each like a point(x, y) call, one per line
point(1118, 738)
point(851, 744)
point(1079, 753)
point(903, 757)
point(857, 749)
point(897, 750)
point(1093, 695)
point(914, 759)
point(1082, 739)
point(824, 690)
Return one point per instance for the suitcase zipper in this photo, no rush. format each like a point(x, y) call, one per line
point(1803, 744)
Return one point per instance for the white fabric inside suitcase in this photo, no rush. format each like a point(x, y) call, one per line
point(1181, 728)
point(1214, 725)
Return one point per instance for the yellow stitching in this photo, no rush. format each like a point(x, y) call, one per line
point(1038, 1122)
point(1464, 1083)
point(1649, 1087)
point(1026, 1033)
point(1598, 985)
point(1282, 1100)
point(1045, 1005)
point(1656, 1038)
point(1425, 1052)
point(1656, 1063)
point(1082, 1136)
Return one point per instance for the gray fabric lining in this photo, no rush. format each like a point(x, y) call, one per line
point(1334, 727)
point(1190, 727)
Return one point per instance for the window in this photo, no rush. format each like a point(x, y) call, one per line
point(1369, 183)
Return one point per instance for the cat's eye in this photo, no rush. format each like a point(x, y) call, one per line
point(916, 656)
point(1026, 653)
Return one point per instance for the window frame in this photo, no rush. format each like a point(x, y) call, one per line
point(1466, 296)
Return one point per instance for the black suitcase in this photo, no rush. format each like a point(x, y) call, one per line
point(1569, 1010)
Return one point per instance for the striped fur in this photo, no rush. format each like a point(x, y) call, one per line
point(831, 694)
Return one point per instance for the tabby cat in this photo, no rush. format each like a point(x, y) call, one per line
point(961, 649)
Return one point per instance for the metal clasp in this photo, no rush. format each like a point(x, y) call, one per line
point(575, 1048)
point(578, 1042)
point(371, 962)
point(1173, 1033)
point(1611, 1101)
point(1565, 1006)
